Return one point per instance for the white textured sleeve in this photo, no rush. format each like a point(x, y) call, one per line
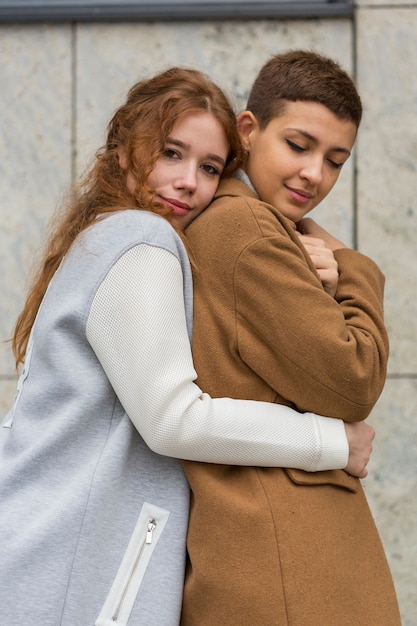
point(137, 328)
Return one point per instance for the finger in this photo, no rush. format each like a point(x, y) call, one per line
point(312, 241)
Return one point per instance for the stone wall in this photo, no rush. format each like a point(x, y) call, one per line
point(59, 85)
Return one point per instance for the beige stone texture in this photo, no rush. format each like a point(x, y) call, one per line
point(60, 84)
point(36, 150)
point(387, 231)
point(387, 172)
point(391, 485)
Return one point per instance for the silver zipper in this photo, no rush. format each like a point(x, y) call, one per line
point(123, 593)
point(150, 527)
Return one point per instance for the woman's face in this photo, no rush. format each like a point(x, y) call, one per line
point(187, 174)
point(296, 159)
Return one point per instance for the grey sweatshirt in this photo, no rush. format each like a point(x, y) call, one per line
point(93, 510)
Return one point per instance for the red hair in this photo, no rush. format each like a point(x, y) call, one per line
point(140, 128)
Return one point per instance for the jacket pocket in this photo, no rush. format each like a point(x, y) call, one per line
point(122, 595)
point(336, 478)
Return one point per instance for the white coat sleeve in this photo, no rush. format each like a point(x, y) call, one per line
point(137, 328)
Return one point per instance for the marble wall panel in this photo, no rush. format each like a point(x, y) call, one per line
point(387, 224)
point(7, 392)
point(387, 172)
point(35, 145)
point(392, 484)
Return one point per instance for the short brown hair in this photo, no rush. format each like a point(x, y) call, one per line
point(303, 75)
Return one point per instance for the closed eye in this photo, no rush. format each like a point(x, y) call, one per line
point(335, 165)
point(295, 146)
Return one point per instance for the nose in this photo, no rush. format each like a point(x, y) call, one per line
point(313, 170)
point(187, 178)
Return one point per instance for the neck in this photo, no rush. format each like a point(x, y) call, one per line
point(241, 175)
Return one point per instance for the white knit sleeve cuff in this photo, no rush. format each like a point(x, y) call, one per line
point(334, 443)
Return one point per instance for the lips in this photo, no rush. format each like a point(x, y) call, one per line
point(299, 195)
point(178, 208)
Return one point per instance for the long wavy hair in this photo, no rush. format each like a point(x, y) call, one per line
point(140, 128)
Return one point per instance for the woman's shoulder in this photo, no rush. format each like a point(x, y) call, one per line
point(237, 195)
point(103, 244)
point(233, 188)
point(130, 227)
point(137, 222)
point(114, 234)
point(236, 203)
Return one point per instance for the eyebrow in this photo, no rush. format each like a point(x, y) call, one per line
point(186, 146)
point(314, 140)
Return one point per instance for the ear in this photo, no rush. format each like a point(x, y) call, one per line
point(122, 158)
point(246, 125)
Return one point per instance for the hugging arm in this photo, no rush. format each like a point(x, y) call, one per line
point(137, 329)
point(329, 355)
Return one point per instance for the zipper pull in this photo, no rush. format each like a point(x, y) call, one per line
point(151, 527)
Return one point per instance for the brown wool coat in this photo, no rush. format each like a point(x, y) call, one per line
point(269, 546)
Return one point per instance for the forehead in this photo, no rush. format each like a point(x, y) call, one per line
point(200, 122)
point(316, 121)
point(202, 134)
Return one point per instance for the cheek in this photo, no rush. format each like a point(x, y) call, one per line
point(329, 182)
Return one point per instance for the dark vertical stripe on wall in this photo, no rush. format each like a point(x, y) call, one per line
point(355, 226)
point(73, 102)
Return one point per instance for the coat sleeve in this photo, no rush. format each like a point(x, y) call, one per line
point(319, 353)
point(137, 328)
